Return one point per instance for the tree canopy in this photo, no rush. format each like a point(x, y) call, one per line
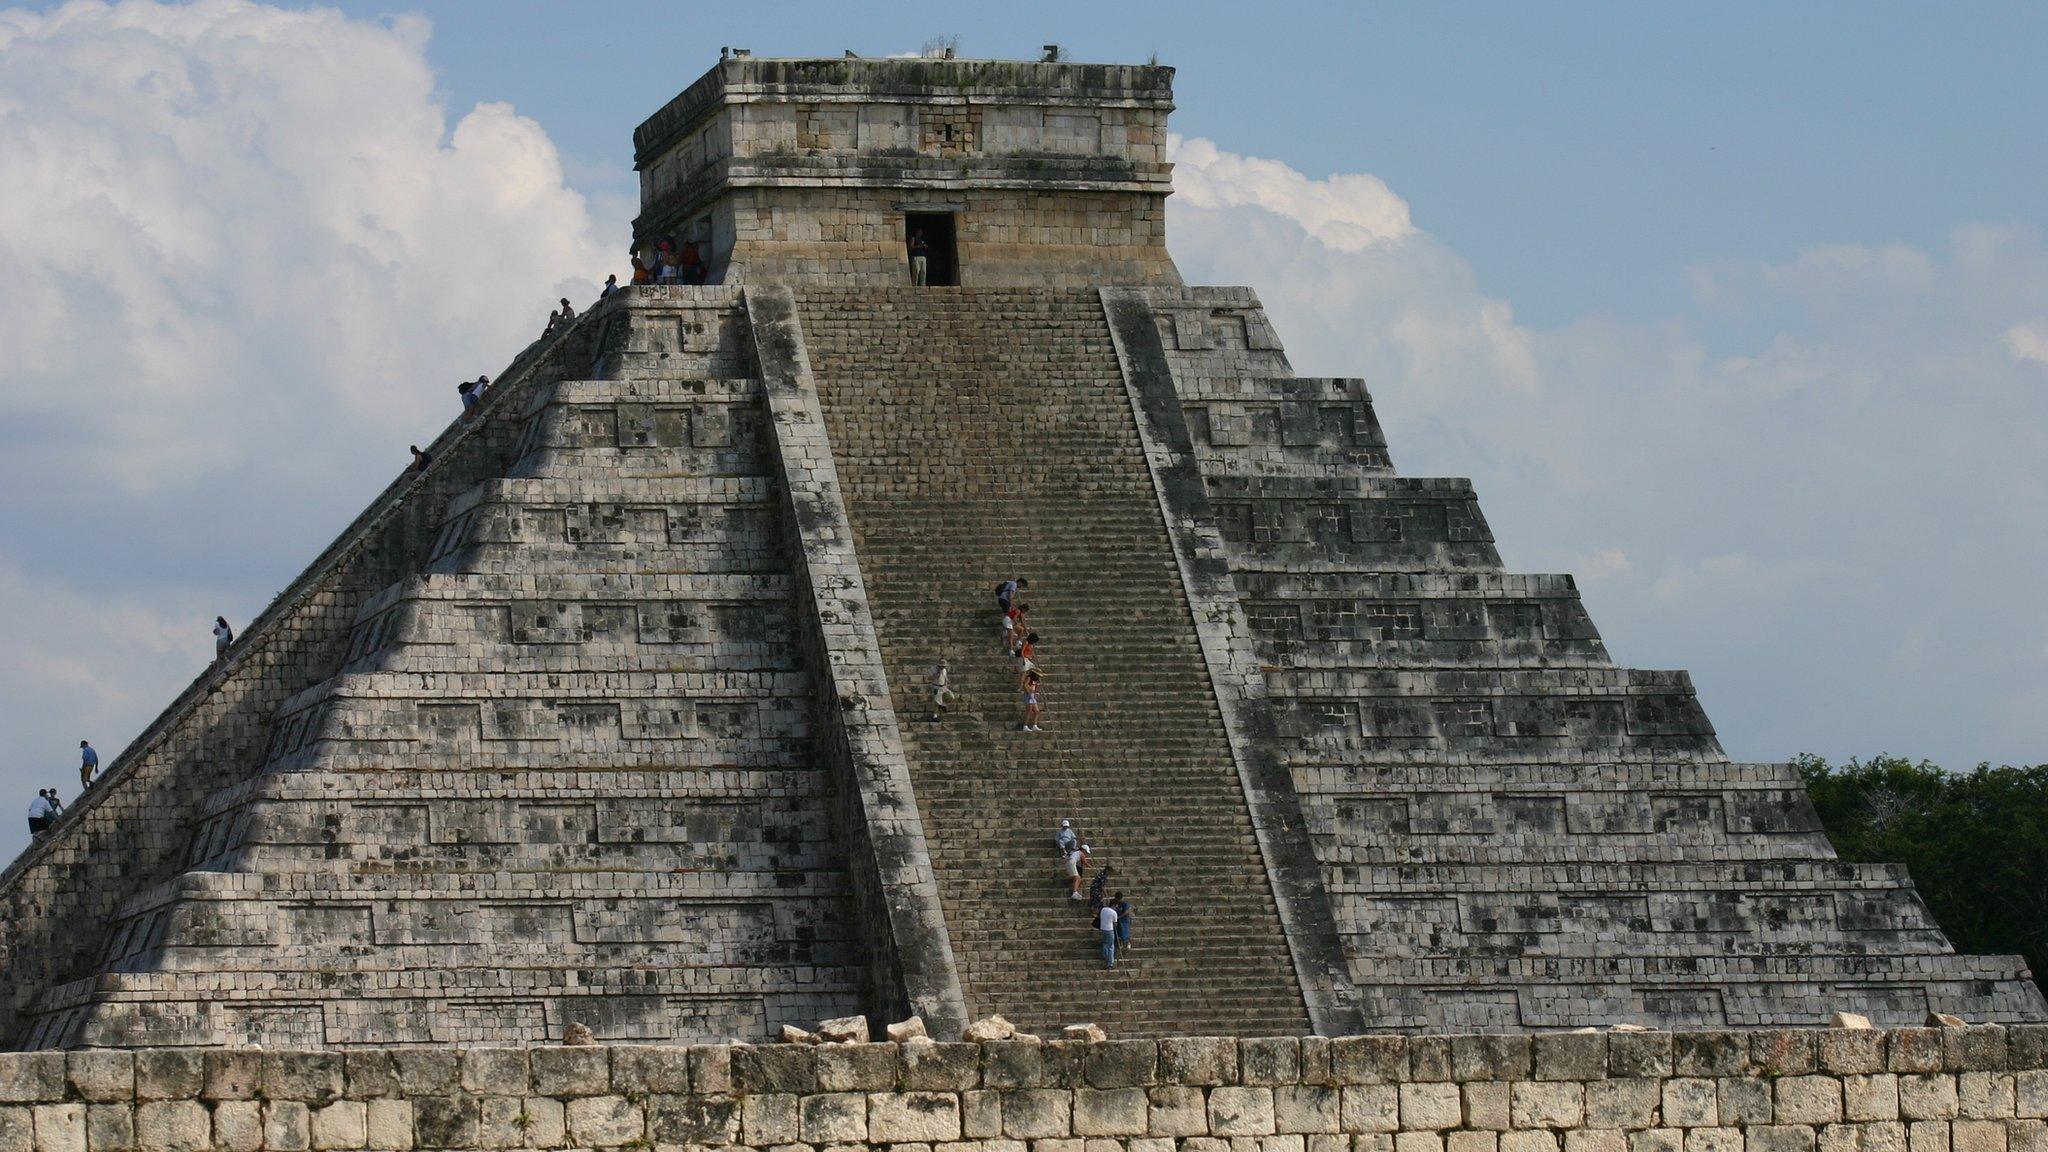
point(1976, 843)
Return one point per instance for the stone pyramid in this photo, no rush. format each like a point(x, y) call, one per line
point(616, 714)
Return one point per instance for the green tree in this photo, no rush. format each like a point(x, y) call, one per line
point(1976, 843)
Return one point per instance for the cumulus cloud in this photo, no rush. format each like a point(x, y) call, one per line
point(2028, 342)
point(245, 253)
point(1817, 485)
point(221, 214)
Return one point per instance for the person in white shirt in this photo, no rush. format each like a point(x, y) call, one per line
point(224, 635)
point(1077, 867)
point(942, 691)
point(41, 811)
point(1105, 923)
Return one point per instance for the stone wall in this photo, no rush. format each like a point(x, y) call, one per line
point(802, 171)
point(133, 828)
point(1981, 1089)
point(1053, 239)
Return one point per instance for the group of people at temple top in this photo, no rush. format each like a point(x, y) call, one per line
point(1110, 911)
point(669, 261)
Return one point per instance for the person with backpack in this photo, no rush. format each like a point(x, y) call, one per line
point(1097, 886)
point(1007, 592)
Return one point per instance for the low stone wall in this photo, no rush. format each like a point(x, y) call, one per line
point(1982, 1089)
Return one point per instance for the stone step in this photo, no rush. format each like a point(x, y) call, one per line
point(1005, 447)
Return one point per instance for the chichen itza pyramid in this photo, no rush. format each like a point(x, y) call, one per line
point(615, 714)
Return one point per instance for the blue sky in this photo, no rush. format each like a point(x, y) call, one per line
point(1739, 313)
point(1580, 155)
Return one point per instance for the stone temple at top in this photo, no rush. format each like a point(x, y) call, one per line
point(617, 714)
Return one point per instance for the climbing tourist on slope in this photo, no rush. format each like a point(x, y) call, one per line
point(1063, 841)
point(1013, 628)
point(942, 691)
point(1099, 884)
point(88, 763)
point(1123, 922)
point(41, 811)
point(1077, 867)
point(1032, 708)
point(1105, 922)
point(1025, 652)
point(1007, 592)
point(224, 635)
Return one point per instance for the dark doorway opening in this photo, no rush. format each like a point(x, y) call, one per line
point(942, 263)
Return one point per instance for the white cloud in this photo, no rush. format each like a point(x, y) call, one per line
point(245, 253)
point(1345, 212)
point(2028, 342)
point(1818, 485)
point(225, 221)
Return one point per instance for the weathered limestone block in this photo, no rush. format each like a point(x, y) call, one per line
point(935, 1067)
point(859, 1067)
point(1305, 1108)
point(981, 1115)
point(29, 1077)
point(1431, 1106)
point(838, 1118)
point(388, 1124)
point(898, 1117)
point(1241, 1111)
point(1870, 1098)
point(769, 1118)
point(1985, 1095)
point(1037, 1114)
point(238, 1126)
point(604, 1121)
point(287, 1125)
point(178, 1126)
point(1690, 1102)
point(1370, 1108)
point(341, 1124)
point(649, 1070)
point(1110, 1111)
point(495, 1071)
point(573, 1071)
point(61, 1128)
point(1808, 1100)
point(1929, 1097)
point(1198, 1060)
point(692, 1120)
point(110, 1127)
point(1541, 1104)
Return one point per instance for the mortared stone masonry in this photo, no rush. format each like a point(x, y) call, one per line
point(614, 718)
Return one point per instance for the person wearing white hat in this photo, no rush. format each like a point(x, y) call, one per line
point(1064, 840)
point(1077, 869)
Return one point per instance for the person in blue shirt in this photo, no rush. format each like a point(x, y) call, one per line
point(88, 763)
point(1123, 922)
